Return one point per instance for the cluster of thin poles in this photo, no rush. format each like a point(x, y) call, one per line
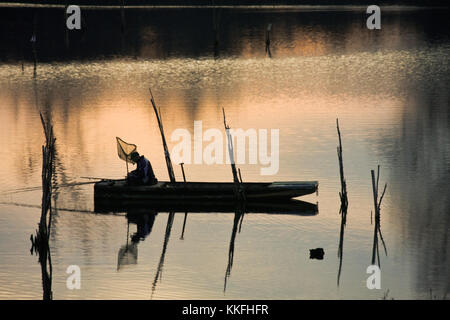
point(40, 242)
point(378, 198)
point(377, 227)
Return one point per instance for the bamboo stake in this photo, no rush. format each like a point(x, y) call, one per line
point(122, 16)
point(184, 226)
point(216, 27)
point(185, 214)
point(343, 193)
point(341, 248)
point(238, 190)
point(344, 203)
point(268, 30)
point(66, 31)
point(377, 208)
point(33, 43)
point(182, 170)
point(161, 129)
point(375, 197)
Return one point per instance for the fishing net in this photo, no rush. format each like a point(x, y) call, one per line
point(124, 150)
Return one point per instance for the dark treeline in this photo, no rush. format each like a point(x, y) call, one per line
point(162, 34)
point(235, 2)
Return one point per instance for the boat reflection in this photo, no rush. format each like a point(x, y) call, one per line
point(295, 207)
point(143, 214)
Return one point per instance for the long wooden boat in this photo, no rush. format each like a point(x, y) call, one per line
point(220, 191)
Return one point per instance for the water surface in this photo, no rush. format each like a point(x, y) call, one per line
point(389, 89)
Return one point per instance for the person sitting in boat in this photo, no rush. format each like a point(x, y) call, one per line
point(144, 172)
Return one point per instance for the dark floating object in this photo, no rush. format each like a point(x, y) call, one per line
point(317, 253)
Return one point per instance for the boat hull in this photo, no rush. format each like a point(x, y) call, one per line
point(195, 191)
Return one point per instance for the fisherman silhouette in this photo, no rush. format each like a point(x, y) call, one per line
point(143, 175)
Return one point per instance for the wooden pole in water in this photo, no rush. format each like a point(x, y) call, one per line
point(122, 24)
point(377, 206)
point(216, 26)
point(375, 200)
point(122, 16)
point(66, 30)
point(269, 29)
point(241, 185)
point(161, 129)
point(343, 193)
point(184, 226)
point(237, 186)
point(238, 217)
point(185, 214)
point(159, 270)
point(40, 242)
point(33, 43)
point(344, 203)
point(182, 170)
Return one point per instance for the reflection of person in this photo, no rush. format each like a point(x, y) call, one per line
point(144, 227)
point(144, 172)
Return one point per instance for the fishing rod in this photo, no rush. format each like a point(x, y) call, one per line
point(66, 185)
point(97, 178)
point(26, 205)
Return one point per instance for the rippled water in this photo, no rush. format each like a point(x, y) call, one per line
point(389, 89)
